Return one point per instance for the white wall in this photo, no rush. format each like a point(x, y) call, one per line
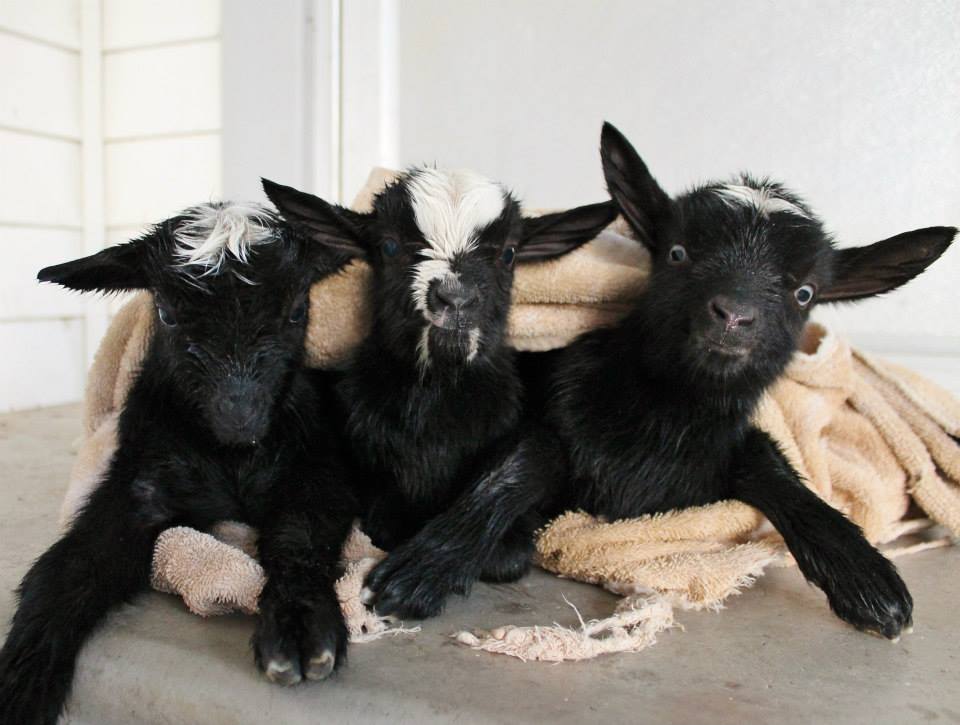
point(279, 102)
point(109, 120)
point(853, 103)
point(41, 330)
point(161, 100)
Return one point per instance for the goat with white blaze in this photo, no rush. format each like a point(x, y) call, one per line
point(433, 399)
point(222, 422)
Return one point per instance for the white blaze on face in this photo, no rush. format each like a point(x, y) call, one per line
point(763, 199)
point(450, 208)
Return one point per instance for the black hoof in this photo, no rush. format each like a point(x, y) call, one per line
point(408, 584)
point(294, 643)
point(282, 671)
point(873, 599)
point(321, 666)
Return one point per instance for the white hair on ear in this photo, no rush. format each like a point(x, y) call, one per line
point(451, 208)
point(762, 198)
point(212, 231)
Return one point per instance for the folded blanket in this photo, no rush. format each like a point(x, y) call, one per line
point(866, 435)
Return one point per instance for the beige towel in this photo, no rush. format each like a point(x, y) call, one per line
point(865, 434)
point(218, 573)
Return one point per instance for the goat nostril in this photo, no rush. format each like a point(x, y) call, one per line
point(732, 313)
point(458, 297)
point(718, 311)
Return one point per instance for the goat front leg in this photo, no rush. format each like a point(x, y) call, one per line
point(390, 519)
point(100, 563)
point(300, 631)
point(485, 523)
point(513, 555)
point(862, 586)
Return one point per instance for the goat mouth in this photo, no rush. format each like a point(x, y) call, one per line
point(727, 348)
point(450, 322)
point(239, 441)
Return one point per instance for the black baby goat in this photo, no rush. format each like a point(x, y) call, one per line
point(433, 398)
point(655, 413)
point(221, 423)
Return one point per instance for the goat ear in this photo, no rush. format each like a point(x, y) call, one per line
point(331, 225)
point(553, 235)
point(638, 195)
point(883, 266)
point(114, 269)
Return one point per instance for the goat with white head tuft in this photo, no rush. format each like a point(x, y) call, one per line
point(222, 422)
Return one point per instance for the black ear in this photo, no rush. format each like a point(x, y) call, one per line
point(329, 224)
point(883, 266)
point(643, 203)
point(114, 269)
point(553, 235)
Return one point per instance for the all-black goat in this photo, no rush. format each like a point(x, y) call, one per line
point(655, 413)
point(433, 398)
point(221, 423)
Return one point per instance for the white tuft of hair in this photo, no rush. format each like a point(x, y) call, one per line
point(764, 199)
point(211, 232)
point(451, 208)
point(475, 337)
point(423, 352)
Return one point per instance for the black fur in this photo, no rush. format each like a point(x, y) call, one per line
point(221, 423)
point(436, 440)
point(655, 413)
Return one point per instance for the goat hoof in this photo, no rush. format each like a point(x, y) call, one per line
point(295, 643)
point(890, 629)
point(874, 599)
point(321, 666)
point(412, 598)
point(282, 671)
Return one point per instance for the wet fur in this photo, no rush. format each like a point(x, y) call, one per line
point(434, 443)
point(655, 414)
point(172, 467)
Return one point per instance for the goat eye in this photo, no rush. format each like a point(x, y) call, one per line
point(677, 254)
point(508, 255)
point(804, 294)
point(299, 312)
point(391, 248)
point(166, 316)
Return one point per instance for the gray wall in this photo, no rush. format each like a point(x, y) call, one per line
point(855, 104)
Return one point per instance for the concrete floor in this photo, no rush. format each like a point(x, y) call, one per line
point(775, 654)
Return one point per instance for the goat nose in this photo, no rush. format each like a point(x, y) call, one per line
point(457, 296)
point(732, 313)
point(230, 404)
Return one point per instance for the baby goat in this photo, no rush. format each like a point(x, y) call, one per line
point(221, 423)
point(432, 397)
point(655, 413)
